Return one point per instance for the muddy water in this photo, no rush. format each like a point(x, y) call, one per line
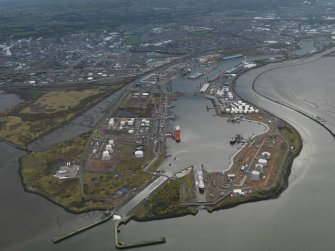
point(8, 100)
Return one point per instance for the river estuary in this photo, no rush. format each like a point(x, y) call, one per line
point(302, 218)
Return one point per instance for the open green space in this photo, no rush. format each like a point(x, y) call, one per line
point(165, 202)
point(44, 110)
point(38, 168)
point(132, 40)
point(292, 137)
point(100, 190)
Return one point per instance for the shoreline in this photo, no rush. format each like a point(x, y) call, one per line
point(233, 204)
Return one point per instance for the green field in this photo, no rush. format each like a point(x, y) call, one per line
point(38, 168)
point(165, 202)
point(99, 189)
point(132, 40)
point(44, 110)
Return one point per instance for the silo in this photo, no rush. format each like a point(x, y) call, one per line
point(259, 168)
point(139, 154)
point(109, 148)
point(255, 175)
point(105, 155)
point(130, 122)
point(266, 155)
point(264, 162)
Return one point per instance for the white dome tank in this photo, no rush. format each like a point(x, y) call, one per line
point(266, 155)
point(139, 154)
point(264, 162)
point(255, 175)
point(259, 168)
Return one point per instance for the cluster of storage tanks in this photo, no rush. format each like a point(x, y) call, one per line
point(222, 93)
point(106, 154)
point(240, 107)
point(127, 123)
point(259, 166)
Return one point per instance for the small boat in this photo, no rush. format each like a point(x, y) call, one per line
point(232, 141)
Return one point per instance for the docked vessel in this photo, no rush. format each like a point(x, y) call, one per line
point(177, 133)
point(185, 71)
point(195, 75)
point(201, 183)
point(232, 141)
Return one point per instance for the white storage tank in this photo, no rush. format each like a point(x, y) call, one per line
point(139, 154)
point(130, 131)
point(256, 111)
point(264, 162)
point(109, 148)
point(259, 168)
point(111, 142)
point(111, 122)
point(130, 122)
point(266, 155)
point(105, 155)
point(255, 175)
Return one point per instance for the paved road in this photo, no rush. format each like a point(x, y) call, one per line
point(127, 208)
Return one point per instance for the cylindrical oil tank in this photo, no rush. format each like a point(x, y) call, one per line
point(109, 148)
point(259, 168)
point(255, 175)
point(266, 155)
point(139, 154)
point(264, 162)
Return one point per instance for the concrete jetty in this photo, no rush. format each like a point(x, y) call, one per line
point(68, 235)
point(122, 245)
